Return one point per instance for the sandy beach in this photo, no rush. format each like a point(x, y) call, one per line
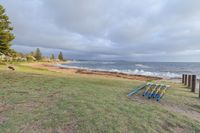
point(53, 67)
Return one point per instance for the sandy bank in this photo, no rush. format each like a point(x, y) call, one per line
point(53, 67)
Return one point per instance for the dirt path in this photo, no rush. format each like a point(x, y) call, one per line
point(185, 111)
point(169, 106)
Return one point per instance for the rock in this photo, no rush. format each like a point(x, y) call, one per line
point(11, 67)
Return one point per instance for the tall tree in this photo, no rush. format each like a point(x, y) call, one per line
point(52, 57)
point(6, 36)
point(38, 54)
point(60, 56)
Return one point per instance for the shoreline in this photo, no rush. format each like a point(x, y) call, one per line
point(52, 67)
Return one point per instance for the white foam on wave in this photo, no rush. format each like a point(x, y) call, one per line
point(142, 66)
point(107, 62)
point(133, 72)
point(75, 67)
point(92, 62)
point(156, 74)
point(75, 61)
point(147, 73)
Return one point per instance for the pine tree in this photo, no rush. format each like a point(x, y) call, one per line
point(5, 33)
point(52, 57)
point(38, 54)
point(60, 56)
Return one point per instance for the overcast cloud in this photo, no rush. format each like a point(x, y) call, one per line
point(138, 30)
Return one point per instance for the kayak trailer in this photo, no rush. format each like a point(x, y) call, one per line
point(151, 91)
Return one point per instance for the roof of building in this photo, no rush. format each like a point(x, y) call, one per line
point(1, 53)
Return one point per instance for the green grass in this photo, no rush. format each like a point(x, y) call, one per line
point(37, 100)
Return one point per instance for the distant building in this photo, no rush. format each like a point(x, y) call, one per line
point(30, 58)
point(56, 60)
point(23, 59)
point(2, 57)
point(8, 58)
point(46, 59)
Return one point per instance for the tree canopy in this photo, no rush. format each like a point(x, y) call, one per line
point(6, 36)
point(38, 54)
point(60, 56)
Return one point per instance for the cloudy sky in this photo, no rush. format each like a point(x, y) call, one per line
point(138, 30)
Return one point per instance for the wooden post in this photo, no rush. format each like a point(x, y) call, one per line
point(189, 81)
point(193, 83)
point(185, 79)
point(199, 88)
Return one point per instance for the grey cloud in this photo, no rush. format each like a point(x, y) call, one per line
point(157, 30)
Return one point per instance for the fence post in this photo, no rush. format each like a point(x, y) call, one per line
point(189, 81)
point(193, 83)
point(199, 88)
point(185, 79)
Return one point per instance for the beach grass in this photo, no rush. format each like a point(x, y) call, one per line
point(38, 100)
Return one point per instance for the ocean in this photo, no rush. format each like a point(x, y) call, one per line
point(168, 70)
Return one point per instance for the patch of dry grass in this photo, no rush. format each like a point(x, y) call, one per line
point(37, 100)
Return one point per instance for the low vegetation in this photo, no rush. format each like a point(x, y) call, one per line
point(38, 100)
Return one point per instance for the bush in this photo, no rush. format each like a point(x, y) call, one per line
point(2, 63)
point(30, 58)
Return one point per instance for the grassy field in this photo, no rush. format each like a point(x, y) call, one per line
point(37, 100)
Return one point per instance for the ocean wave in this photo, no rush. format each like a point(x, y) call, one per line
point(92, 62)
point(156, 74)
point(133, 72)
point(142, 66)
point(107, 62)
point(147, 73)
point(75, 67)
